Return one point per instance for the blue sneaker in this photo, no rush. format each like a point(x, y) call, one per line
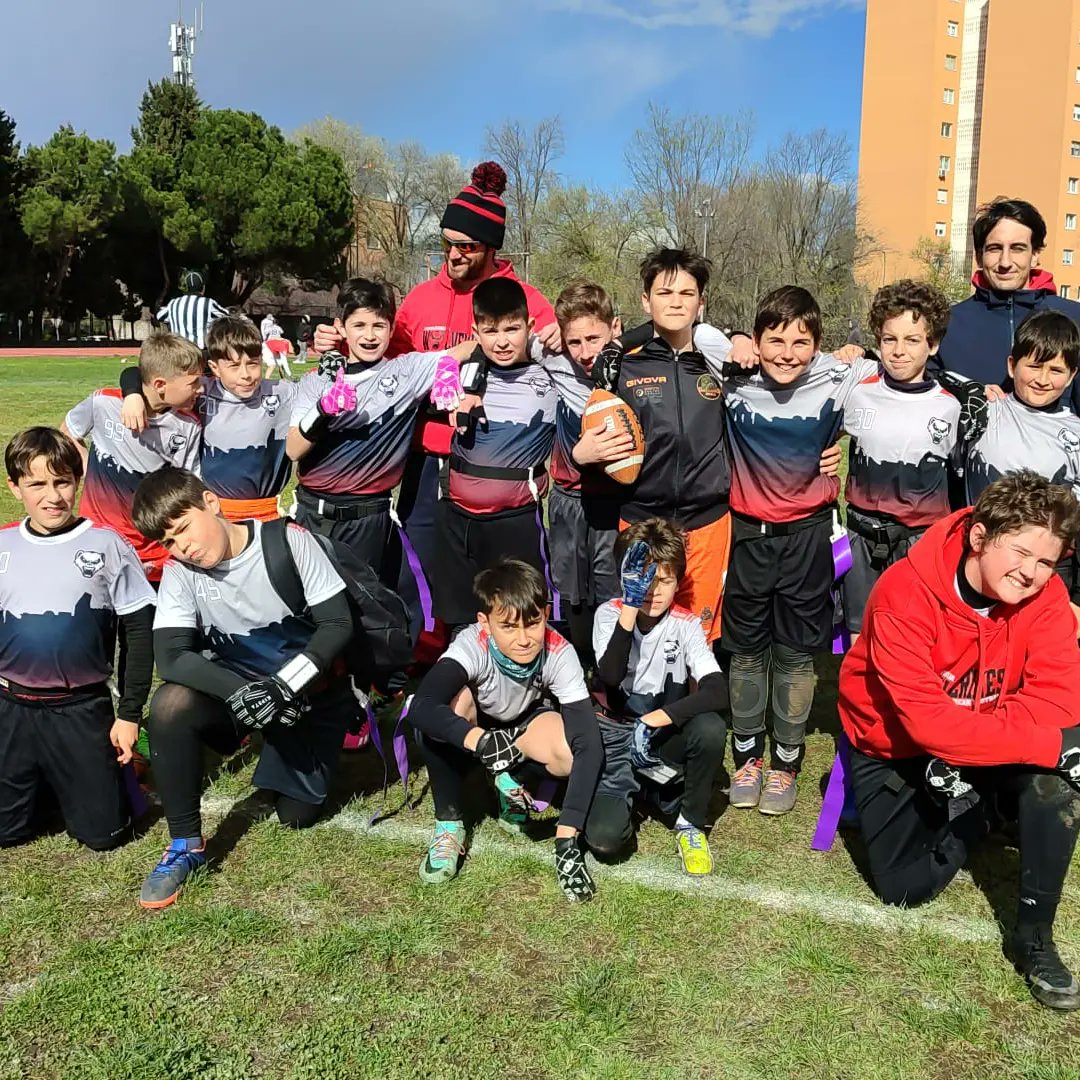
point(443, 858)
point(181, 859)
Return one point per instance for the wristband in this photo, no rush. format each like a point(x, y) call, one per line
point(297, 673)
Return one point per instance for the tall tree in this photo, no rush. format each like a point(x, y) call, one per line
point(18, 279)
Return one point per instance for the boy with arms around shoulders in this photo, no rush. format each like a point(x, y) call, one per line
point(662, 692)
point(267, 669)
point(508, 690)
point(65, 584)
point(962, 687)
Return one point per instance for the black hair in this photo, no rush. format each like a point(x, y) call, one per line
point(499, 298)
point(1046, 334)
point(1002, 209)
point(162, 496)
point(669, 261)
point(788, 304)
point(358, 292)
point(513, 585)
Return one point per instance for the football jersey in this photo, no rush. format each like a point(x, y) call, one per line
point(573, 387)
point(500, 697)
point(59, 599)
point(243, 622)
point(778, 434)
point(1020, 437)
point(190, 317)
point(662, 662)
point(243, 441)
point(363, 452)
point(119, 459)
point(901, 442)
point(520, 406)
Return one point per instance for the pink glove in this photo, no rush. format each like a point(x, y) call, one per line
point(446, 388)
point(341, 397)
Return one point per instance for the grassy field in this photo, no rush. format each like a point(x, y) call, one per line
point(320, 955)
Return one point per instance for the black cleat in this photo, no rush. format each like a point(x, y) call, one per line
point(1036, 957)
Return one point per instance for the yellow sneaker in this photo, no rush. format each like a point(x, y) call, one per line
point(694, 851)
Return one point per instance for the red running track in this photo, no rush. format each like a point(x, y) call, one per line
point(96, 350)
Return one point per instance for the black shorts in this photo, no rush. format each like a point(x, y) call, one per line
point(470, 544)
point(778, 589)
point(371, 537)
point(870, 555)
point(582, 532)
point(67, 747)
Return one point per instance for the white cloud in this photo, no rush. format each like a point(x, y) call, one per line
point(759, 18)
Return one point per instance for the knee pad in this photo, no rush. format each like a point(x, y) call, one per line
point(170, 703)
point(294, 814)
point(792, 693)
point(748, 686)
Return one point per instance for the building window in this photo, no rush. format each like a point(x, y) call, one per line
point(949, 96)
point(939, 229)
point(1076, 112)
point(950, 65)
point(1074, 148)
point(946, 129)
point(1066, 257)
point(942, 196)
point(1064, 291)
point(1078, 74)
point(952, 29)
point(1070, 222)
point(944, 161)
point(1073, 186)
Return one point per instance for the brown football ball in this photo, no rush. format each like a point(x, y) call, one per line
point(606, 410)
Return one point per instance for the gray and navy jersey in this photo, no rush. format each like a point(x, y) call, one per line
point(242, 620)
point(59, 600)
point(243, 450)
point(1020, 437)
point(502, 698)
point(573, 387)
point(190, 316)
point(120, 459)
point(364, 452)
point(901, 444)
point(778, 434)
point(662, 662)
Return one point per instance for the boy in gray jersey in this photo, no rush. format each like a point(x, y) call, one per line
point(649, 652)
point(65, 583)
point(508, 690)
point(1032, 427)
point(234, 657)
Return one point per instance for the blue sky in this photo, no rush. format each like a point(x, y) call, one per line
point(440, 71)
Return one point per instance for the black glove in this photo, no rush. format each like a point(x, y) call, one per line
point(257, 704)
point(468, 422)
point(1069, 763)
point(945, 779)
point(606, 367)
point(574, 877)
point(973, 405)
point(496, 749)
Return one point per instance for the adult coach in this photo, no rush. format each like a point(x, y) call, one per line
point(190, 314)
point(1008, 235)
point(959, 699)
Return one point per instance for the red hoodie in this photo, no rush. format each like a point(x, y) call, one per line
point(437, 314)
point(1038, 280)
point(929, 675)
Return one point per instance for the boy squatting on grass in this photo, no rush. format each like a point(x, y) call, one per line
point(245, 419)
point(660, 700)
point(170, 369)
point(64, 584)
point(959, 699)
point(509, 690)
point(267, 668)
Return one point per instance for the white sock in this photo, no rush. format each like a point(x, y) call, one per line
point(682, 823)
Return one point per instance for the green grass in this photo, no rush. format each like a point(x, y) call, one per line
point(320, 955)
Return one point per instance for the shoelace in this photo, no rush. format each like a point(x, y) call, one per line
point(170, 856)
point(751, 771)
point(445, 845)
point(779, 781)
point(694, 837)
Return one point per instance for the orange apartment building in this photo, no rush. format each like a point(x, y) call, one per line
point(964, 100)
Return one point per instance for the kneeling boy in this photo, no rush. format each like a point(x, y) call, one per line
point(270, 668)
point(961, 691)
point(64, 584)
point(649, 651)
point(508, 690)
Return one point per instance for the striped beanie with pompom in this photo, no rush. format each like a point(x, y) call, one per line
point(477, 211)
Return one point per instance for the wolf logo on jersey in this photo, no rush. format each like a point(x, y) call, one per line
point(177, 443)
point(672, 649)
point(939, 429)
point(89, 562)
point(388, 385)
point(271, 404)
point(1069, 440)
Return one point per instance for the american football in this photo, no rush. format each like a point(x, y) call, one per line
point(604, 409)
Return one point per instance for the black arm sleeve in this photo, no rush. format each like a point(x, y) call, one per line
point(614, 664)
point(138, 663)
point(130, 381)
point(179, 660)
point(430, 711)
point(583, 737)
point(710, 696)
point(333, 630)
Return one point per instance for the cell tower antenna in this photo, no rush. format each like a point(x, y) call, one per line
point(182, 44)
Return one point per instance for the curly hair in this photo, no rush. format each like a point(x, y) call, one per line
point(1023, 500)
point(922, 300)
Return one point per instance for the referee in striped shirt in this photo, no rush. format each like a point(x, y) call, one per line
point(191, 314)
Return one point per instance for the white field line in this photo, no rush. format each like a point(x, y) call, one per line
point(652, 873)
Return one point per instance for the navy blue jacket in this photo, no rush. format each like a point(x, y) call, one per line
point(980, 335)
